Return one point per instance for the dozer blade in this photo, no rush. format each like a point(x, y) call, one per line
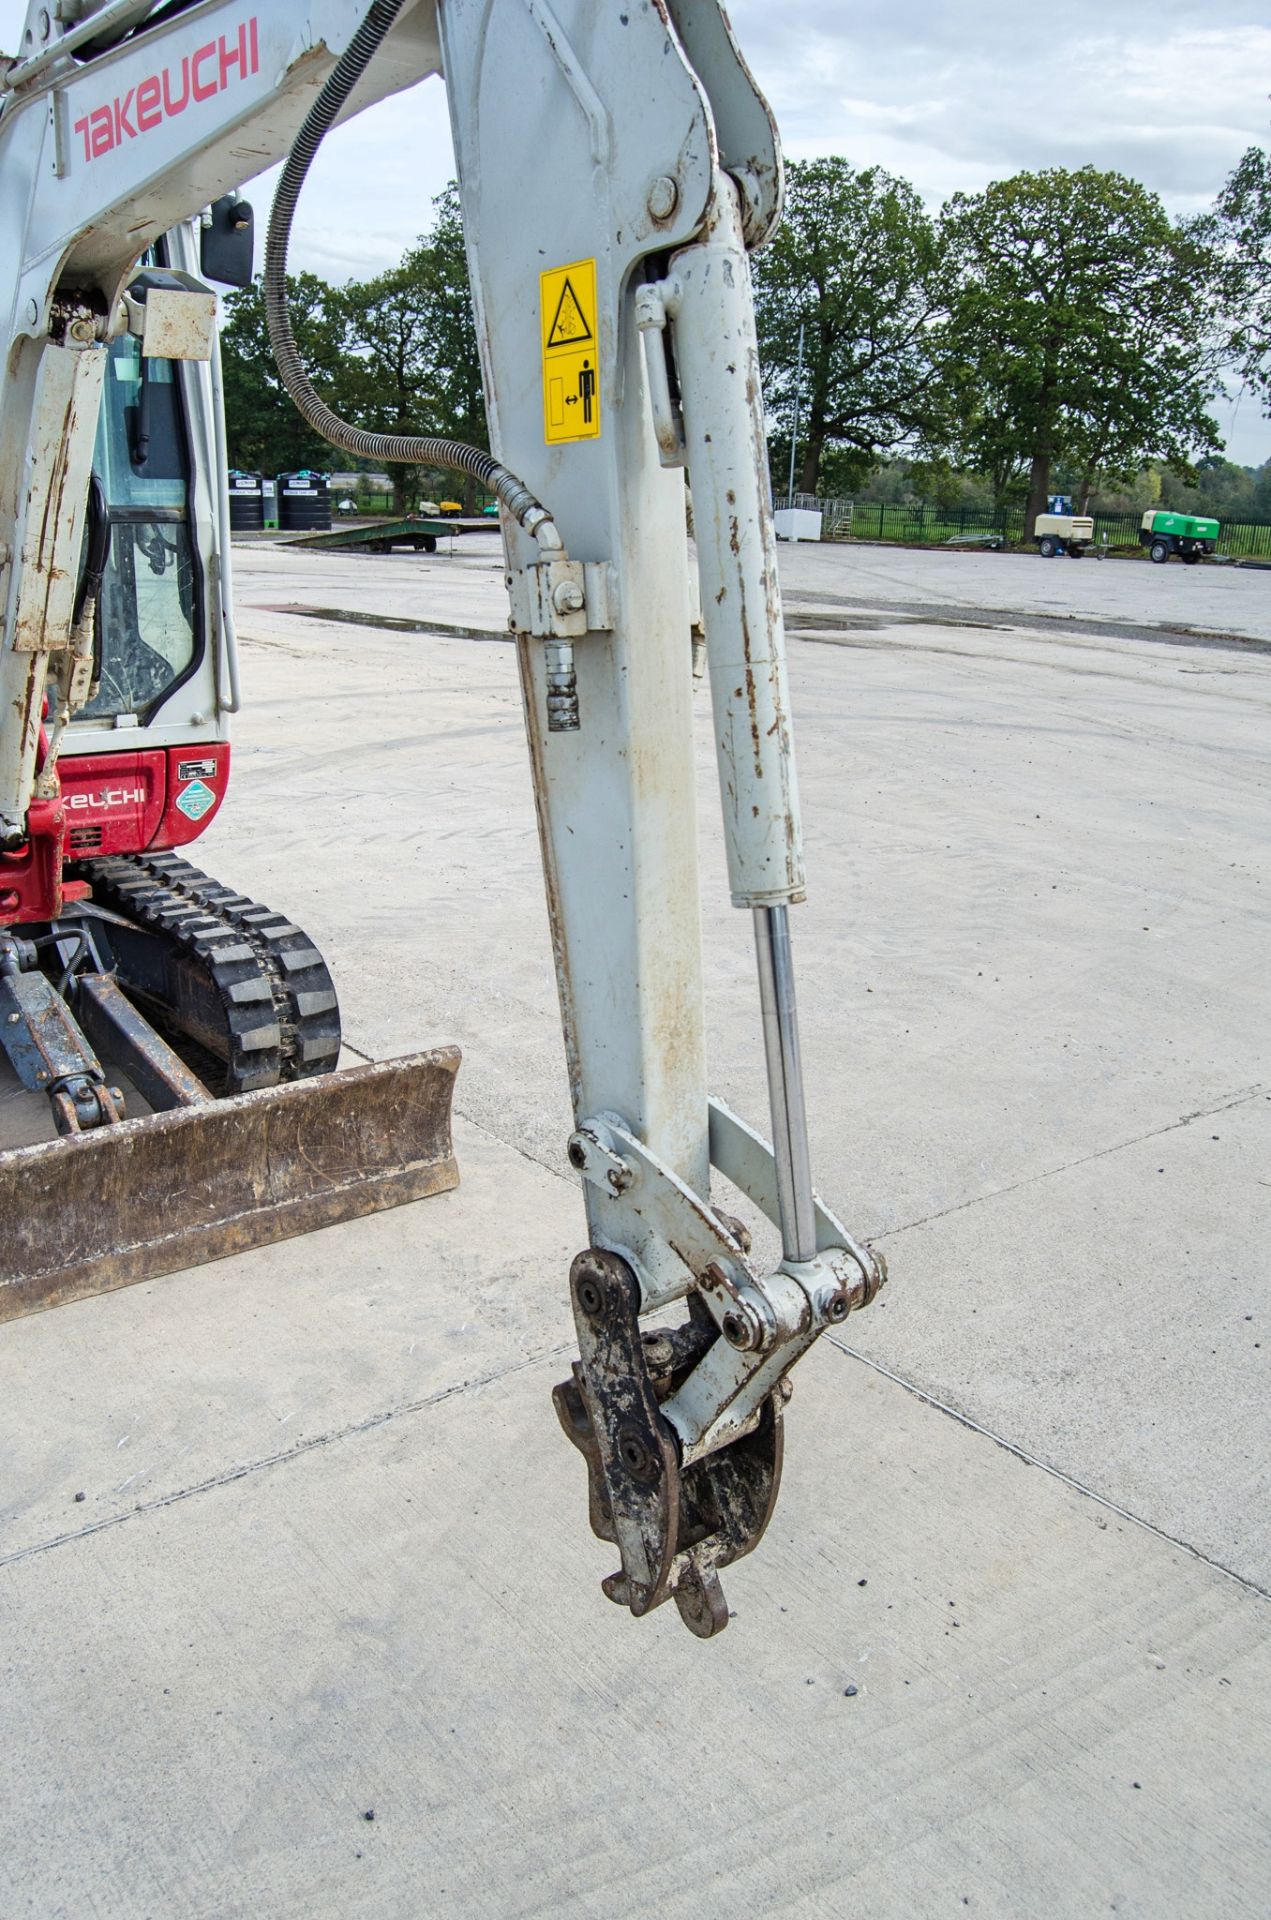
point(99, 1210)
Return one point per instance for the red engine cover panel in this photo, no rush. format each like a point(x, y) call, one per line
point(114, 801)
point(197, 779)
point(132, 802)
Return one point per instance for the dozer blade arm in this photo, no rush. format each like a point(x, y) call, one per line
point(295, 1147)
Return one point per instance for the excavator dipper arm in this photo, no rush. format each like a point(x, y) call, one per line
point(616, 166)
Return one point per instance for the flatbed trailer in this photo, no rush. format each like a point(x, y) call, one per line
point(381, 536)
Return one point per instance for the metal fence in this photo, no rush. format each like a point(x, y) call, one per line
point(922, 525)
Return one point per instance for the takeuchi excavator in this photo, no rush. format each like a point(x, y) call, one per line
point(616, 167)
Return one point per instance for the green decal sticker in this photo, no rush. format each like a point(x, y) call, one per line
point(196, 800)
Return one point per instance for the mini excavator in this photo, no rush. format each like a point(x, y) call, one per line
point(616, 167)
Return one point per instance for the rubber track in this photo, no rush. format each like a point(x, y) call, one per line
point(282, 1016)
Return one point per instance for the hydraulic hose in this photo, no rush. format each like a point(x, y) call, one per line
point(424, 451)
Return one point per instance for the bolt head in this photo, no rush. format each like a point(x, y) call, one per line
point(568, 597)
point(15, 1019)
point(641, 1463)
point(591, 1297)
point(664, 194)
point(735, 1331)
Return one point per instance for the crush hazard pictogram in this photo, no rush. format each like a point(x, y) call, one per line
point(571, 363)
point(569, 323)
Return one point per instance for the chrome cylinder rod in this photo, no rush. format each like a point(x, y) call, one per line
point(785, 1083)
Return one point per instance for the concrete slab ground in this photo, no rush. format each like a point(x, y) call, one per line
point(1056, 1714)
point(1221, 599)
point(332, 1556)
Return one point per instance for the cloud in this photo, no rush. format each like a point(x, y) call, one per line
point(949, 95)
point(961, 94)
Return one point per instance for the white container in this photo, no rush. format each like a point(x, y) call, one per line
point(797, 523)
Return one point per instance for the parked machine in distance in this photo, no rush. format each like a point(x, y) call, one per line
point(1184, 534)
point(1057, 533)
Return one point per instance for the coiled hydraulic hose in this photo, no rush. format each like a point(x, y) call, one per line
point(423, 451)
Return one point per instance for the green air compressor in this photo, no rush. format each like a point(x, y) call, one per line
point(1164, 534)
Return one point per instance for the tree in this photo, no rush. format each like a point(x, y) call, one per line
point(1083, 328)
point(264, 430)
point(1217, 487)
point(395, 354)
point(853, 264)
point(387, 385)
point(440, 263)
point(416, 368)
point(1244, 210)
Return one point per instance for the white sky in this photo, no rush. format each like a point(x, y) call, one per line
point(948, 93)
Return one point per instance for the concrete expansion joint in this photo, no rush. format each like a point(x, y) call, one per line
point(246, 1469)
point(514, 1146)
point(1044, 1466)
point(1227, 1104)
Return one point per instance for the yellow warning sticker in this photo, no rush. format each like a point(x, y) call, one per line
point(571, 377)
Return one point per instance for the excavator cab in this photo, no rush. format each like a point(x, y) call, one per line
point(150, 620)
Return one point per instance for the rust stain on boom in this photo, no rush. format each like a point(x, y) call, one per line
point(84, 1215)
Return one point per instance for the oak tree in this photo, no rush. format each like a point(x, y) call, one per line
point(1083, 328)
point(265, 433)
point(853, 265)
point(1244, 210)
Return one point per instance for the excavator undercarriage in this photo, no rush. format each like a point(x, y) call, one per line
point(221, 1019)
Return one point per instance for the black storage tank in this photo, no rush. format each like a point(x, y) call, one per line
point(246, 502)
point(304, 501)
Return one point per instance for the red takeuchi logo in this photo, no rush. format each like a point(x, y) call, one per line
point(161, 96)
